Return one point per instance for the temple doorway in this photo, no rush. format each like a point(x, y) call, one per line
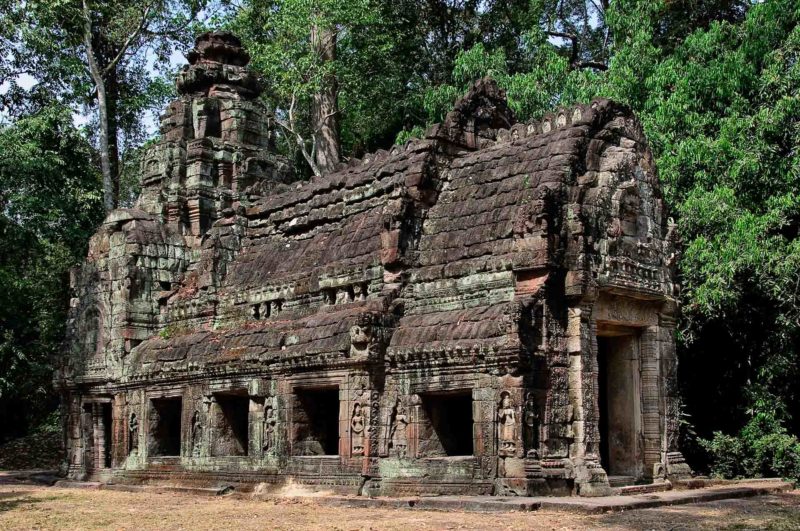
point(96, 427)
point(619, 400)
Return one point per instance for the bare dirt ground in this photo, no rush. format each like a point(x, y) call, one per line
point(34, 507)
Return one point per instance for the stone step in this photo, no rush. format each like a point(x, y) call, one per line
point(200, 491)
point(589, 505)
point(632, 490)
point(71, 484)
point(621, 481)
point(34, 477)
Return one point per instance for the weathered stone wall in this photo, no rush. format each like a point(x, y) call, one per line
point(424, 320)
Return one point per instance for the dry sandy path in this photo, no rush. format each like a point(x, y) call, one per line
point(34, 507)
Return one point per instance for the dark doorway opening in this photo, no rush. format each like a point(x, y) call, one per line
point(105, 412)
point(165, 427)
point(231, 418)
point(315, 421)
point(213, 119)
point(618, 401)
point(446, 429)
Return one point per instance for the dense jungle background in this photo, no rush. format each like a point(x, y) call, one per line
point(716, 84)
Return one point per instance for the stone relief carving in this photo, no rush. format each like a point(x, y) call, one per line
point(530, 426)
point(359, 292)
point(398, 436)
point(133, 434)
point(196, 434)
point(506, 425)
point(268, 427)
point(357, 426)
point(360, 338)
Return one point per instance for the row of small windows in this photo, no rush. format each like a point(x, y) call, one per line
point(265, 310)
point(330, 297)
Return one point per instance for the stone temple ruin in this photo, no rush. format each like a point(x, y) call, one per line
point(487, 310)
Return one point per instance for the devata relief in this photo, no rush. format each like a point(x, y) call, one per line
point(489, 309)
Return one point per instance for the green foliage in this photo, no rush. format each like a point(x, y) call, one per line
point(722, 112)
point(49, 205)
point(761, 448)
point(374, 57)
point(548, 80)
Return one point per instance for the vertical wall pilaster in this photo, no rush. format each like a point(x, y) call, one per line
point(119, 430)
point(651, 347)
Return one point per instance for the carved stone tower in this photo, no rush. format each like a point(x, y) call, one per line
point(214, 152)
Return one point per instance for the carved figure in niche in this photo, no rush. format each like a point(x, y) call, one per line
point(268, 428)
point(360, 336)
point(197, 434)
point(399, 434)
point(507, 425)
point(357, 425)
point(530, 426)
point(629, 210)
point(342, 296)
point(91, 332)
point(359, 292)
point(133, 434)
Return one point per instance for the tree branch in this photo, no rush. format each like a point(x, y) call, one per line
point(574, 62)
point(129, 40)
point(573, 56)
point(301, 143)
point(597, 65)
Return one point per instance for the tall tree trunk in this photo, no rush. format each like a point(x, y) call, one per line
point(105, 157)
point(107, 167)
point(325, 105)
point(112, 128)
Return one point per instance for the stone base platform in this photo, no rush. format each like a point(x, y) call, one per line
point(694, 491)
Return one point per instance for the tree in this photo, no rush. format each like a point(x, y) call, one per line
point(723, 114)
point(98, 53)
point(294, 44)
point(50, 203)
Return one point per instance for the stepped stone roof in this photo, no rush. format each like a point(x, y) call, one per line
point(473, 196)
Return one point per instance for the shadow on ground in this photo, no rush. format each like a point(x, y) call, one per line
point(774, 512)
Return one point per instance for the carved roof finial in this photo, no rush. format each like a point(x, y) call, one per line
point(217, 58)
point(477, 115)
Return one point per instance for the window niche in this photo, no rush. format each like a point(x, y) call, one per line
point(445, 424)
point(231, 424)
point(164, 437)
point(315, 421)
point(213, 122)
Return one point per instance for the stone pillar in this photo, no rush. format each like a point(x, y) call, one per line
point(74, 440)
point(255, 426)
point(415, 405)
point(673, 465)
point(119, 433)
point(581, 343)
point(87, 439)
point(652, 405)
